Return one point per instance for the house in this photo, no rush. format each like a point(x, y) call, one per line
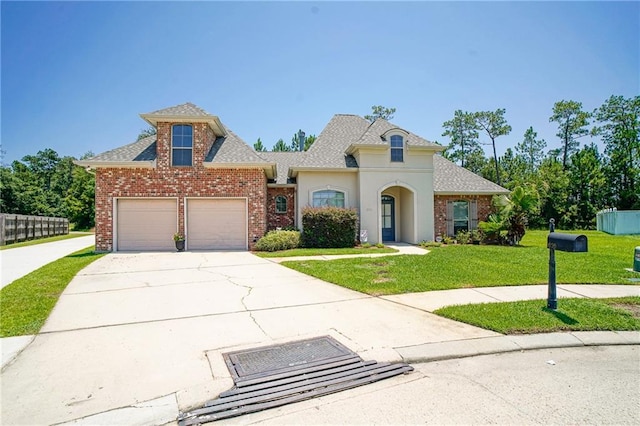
point(197, 177)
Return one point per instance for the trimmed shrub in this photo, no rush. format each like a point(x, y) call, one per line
point(329, 227)
point(278, 240)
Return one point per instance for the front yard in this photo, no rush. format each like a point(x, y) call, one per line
point(464, 266)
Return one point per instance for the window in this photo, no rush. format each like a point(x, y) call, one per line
point(328, 198)
point(281, 204)
point(460, 216)
point(181, 145)
point(397, 148)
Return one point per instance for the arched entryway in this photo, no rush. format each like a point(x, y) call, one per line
point(397, 214)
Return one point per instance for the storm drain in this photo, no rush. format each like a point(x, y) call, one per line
point(272, 376)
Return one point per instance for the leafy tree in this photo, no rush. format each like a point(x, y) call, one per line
point(79, 201)
point(280, 146)
point(494, 125)
point(149, 131)
point(309, 140)
point(619, 127)
point(572, 123)
point(258, 146)
point(552, 183)
point(463, 132)
point(43, 165)
point(476, 162)
point(587, 188)
point(511, 215)
point(379, 111)
point(513, 169)
point(531, 150)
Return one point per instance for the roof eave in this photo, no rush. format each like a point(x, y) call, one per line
point(467, 192)
point(356, 146)
point(150, 164)
point(269, 168)
point(213, 121)
point(293, 171)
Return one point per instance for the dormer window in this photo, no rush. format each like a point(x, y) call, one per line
point(182, 145)
point(397, 148)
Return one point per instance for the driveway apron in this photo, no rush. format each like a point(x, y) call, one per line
point(137, 326)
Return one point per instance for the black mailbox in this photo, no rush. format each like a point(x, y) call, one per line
point(567, 242)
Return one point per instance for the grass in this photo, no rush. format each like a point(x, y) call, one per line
point(45, 240)
point(464, 266)
point(324, 252)
point(532, 316)
point(27, 302)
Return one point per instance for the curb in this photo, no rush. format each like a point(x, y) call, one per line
point(513, 343)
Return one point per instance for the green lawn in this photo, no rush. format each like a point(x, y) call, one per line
point(46, 240)
point(27, 302)
point(460, 266)
point(324, 252)
point(532, 316)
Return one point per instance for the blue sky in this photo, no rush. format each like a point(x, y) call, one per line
point(76, 75)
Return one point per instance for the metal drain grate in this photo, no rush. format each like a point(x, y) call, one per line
point(270, 360)
point(276, 375)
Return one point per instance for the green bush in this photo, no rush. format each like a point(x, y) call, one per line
point(329, 227)
point(463, 237)
point(278, 240)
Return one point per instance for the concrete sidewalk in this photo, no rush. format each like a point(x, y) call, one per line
point(18, 262)
point(136, 337)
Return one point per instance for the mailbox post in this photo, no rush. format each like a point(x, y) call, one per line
point(552, 296)
point(563, 242)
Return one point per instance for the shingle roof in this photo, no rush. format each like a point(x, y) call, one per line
point(448, 177)
point(187, 109)
point(373, 135)
point(345, 130)
point(328, 151)
point(284, 161)
point(231, 149)
point(142, 150)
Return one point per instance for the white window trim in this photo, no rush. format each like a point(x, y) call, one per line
point(330, 188)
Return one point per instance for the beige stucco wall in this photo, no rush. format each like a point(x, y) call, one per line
point(382, 158)
point(309, 182)
point(413, 191)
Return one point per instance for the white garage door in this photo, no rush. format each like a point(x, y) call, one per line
point(146, 224)
point(216, 224)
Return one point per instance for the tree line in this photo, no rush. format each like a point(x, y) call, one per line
point(46, 184)
point(572, 183)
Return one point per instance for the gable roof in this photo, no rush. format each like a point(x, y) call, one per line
point(186, 112)
point(226, 151)
point(449, 178)
point(345, 133)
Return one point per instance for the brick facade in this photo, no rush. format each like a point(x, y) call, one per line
point(440, 210)
point(280, 220)
point(181, 182)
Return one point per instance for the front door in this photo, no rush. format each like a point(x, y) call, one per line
point(388, 218)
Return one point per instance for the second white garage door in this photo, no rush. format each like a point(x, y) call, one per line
point(216, 224)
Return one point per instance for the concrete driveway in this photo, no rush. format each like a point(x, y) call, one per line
point(132, 327)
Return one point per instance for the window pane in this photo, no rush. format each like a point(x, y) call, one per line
point(328, 198)
point(281, 204)
point(396, 141)
point(396, 154)
point(181, 157)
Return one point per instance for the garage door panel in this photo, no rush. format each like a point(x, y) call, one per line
point(216, 224)
point(146, 224)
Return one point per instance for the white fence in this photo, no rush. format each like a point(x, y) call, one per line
point(16, 227)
